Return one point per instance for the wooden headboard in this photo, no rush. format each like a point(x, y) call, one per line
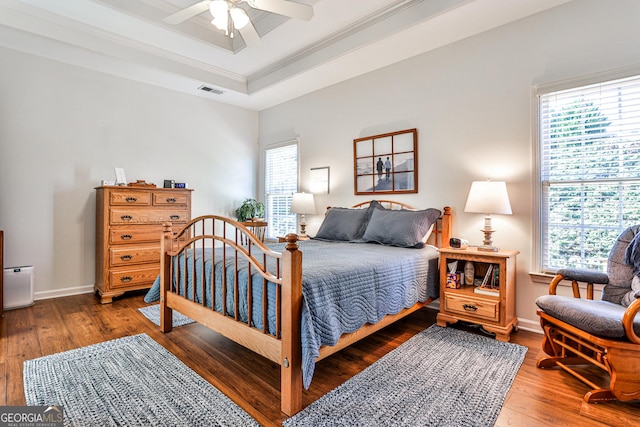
point(441, 231)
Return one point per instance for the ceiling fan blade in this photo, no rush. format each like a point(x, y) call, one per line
point(250, 35)
point(284, 7)
point(189, 12)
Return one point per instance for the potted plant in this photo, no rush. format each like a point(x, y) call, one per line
point(250, 209)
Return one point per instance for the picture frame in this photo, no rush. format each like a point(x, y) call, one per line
point(319, 180)
point(386, 163)
point(121, 179)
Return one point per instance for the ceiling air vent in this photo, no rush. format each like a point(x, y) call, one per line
point(210, 89)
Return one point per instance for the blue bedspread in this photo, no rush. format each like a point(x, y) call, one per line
point(344, 286)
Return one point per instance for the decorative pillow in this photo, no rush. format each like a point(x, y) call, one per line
point(620, 273)
point(402, 228)
point(345, 224)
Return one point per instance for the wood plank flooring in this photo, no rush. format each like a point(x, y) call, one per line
point(537, 398)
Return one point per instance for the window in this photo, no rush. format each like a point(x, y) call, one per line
point(589, 171)
point(281, 181)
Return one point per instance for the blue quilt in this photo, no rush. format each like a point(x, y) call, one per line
point(344, 286)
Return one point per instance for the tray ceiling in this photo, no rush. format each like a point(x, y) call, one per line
point(344, 39)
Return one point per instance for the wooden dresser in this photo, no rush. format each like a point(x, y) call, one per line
point(128, 231)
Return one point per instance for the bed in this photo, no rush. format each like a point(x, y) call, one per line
point(300, 301)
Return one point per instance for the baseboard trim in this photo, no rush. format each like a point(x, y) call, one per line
point(64, 292)
point(529, 325)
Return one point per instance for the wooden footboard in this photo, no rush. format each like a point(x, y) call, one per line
point(280, 273)
point(209, 233)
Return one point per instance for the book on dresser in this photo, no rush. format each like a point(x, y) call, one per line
point(129, 224)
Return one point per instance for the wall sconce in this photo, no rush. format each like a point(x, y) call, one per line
point(488, 197)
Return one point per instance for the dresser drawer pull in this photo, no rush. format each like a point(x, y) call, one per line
point(126, 279)
point(126, 237)
point(126, 257)
point(470, 307)
point(131, 199)
point(175, 217)
point(126, 217)
point(171, 199)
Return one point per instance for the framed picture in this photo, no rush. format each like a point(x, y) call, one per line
point(386, 163)
point(319, 180)
point(121, 179)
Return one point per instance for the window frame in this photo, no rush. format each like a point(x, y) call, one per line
point(538, 201)
point(270, 233)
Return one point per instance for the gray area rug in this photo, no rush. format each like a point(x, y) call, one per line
point(131, 381)
point(440, 377)
point(152, 312)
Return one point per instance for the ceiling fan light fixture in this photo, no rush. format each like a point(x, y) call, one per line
point(239, 17)
point(218, 8)
point(221, 22)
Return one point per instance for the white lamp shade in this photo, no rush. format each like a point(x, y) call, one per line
point(218, 8)
point(488, 197)
point(239, 16)
point(303, 203)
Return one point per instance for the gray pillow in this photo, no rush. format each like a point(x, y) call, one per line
point(620, 273)
point(344, 224)
point(400, 227)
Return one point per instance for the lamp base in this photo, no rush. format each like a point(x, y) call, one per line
point(488, 248)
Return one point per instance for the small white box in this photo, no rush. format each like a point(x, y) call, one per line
point(19, 284)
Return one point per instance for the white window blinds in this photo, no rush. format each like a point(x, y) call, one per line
point(589, 157)
point(281, 181)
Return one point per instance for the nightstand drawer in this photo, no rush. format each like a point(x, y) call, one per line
point(481, 309)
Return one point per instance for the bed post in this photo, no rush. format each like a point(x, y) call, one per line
point(166, 314)
point(291, 355)
point(446, 227)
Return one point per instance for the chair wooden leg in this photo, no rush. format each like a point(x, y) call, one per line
point(624, 369)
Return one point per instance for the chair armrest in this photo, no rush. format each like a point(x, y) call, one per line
point(576, 275)
point(585, 276)
point(627, 321)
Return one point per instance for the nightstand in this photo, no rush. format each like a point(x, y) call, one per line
point(495, 313)
point(282, 239)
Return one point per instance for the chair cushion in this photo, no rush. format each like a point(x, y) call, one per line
point(620, 273)
point(599, 318)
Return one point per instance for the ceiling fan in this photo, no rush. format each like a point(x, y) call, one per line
point(228, 17)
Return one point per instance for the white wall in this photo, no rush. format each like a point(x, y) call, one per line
point(472, 104)
point(64, 128)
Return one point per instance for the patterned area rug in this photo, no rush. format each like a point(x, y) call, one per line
point(152, 312)
point(440, 377)
point(131, 381)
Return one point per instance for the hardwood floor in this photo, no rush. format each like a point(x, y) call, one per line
point(537, 398)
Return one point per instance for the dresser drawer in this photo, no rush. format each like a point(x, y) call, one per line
point(170, 199)
point(148, 216)
point(135, 234)
point(120, 256)
point(134, 198)
point(478, 308)
point(128, 278)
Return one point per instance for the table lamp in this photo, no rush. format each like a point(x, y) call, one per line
point(488, 197)
point(303, 204)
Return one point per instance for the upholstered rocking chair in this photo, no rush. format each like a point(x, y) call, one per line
point(604, 333)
